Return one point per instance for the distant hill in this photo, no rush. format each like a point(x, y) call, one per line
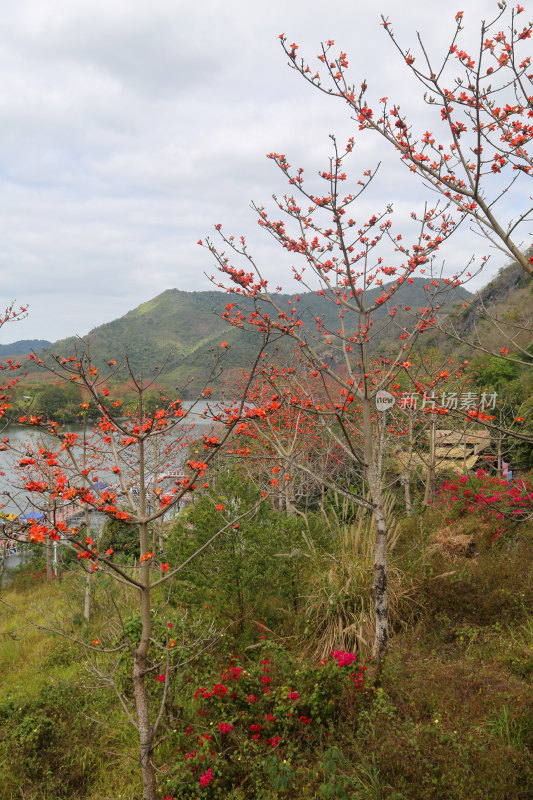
point(22, 346)
point(499, 315)
point(180, 331)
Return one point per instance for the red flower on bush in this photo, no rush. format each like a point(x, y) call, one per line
point(225, 727)
point(206, 778)
point(344, 658)
point(486, 496)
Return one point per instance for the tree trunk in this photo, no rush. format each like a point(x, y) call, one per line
point(407, 472)
point(430, 483)
point(87, 600)
point(407, 488)
point(49, 570)
point(144, 724)
point(144, 728)
point(381, 606)
point(142, 708)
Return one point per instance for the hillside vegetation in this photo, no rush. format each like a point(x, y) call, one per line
point(181, 332)
point(449, 718)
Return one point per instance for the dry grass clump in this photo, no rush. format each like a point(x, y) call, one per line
point(453, 543)
point(339, 605)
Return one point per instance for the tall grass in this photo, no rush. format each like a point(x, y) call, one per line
point(339, 602)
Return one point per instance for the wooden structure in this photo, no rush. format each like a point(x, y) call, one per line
point(458, 451)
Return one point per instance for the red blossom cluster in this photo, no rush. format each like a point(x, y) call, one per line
point(475, 137)
point(487, 496)
point(267, 718)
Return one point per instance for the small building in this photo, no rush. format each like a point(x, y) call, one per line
point(460, 451)
point(456, 451)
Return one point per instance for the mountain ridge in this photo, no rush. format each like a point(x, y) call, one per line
point(181, 332)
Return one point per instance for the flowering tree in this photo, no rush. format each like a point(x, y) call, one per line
point(132, 467)
point(342, 260)
point(289, 449)
point(11, 314)
point(476, 150)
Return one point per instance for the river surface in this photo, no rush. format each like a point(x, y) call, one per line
point(173, 449)
point(12, 562)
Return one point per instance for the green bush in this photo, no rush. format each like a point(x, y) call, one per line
point(256, 727)
point(256, 567)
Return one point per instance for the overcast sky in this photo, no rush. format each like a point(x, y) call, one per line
point(128, 128)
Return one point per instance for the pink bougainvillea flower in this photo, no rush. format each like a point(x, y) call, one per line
point(225, 727)
point(206, 778)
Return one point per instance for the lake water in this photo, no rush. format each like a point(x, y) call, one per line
point(12, 562)
point(173, 448)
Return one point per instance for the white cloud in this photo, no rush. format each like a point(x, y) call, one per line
point(128, 129)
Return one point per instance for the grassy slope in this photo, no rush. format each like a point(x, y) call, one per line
point(451, 719)
point(50, 746)
point(508, 299)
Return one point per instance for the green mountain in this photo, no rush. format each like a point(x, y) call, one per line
point(22, 346)
point(499, 315)
point(181, 332)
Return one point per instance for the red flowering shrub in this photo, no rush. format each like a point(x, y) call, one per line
point(257, 716)
point(488, 498)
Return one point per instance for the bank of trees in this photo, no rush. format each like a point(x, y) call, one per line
point(342, 257)
point(479, 156)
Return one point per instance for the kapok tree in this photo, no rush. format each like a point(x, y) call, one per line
point(342, 260)
point(135, 467)
point(436, 390)
point(288, 449)
point(10, 368)
point(11, 314)
point(474, 148)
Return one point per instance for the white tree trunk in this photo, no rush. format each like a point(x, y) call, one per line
point(87, 600)
point(381, 606)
